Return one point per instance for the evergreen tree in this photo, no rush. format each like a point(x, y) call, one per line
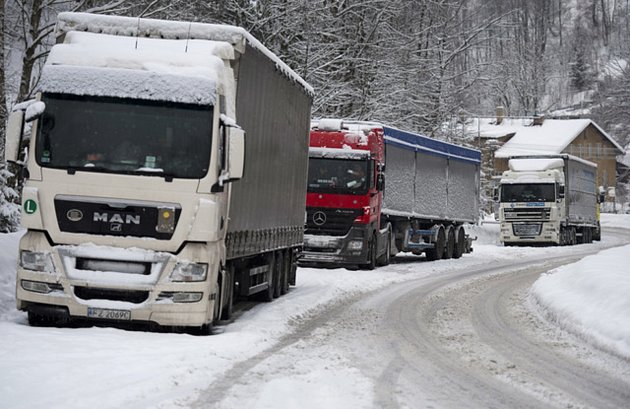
point(9, 209)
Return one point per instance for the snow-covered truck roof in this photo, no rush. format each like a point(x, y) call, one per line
point(138, 28)
point(152, 69)
point(529, 163)
point(400, 138)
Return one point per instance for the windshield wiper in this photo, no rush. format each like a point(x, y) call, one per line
point(140, 171)
point(168, 177)
point(89, 168)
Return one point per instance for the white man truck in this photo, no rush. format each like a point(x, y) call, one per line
point(166, 174)
point(548, 200)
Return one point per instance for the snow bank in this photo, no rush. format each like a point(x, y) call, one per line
point(590, 298)
point(8, 261)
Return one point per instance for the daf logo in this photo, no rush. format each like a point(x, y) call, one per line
point(74, 215)
point(319, 218)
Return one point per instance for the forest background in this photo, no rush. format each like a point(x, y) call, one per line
point(420, 65)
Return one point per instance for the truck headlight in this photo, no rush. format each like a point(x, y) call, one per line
point(189, 272)
point(36, 261)
point(355, 245)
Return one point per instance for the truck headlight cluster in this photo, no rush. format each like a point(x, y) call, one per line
point(36, 261)
point(179, 297)
point(355, 245)
point(189, 272)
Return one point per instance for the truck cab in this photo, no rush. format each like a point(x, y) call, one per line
point(531, 205)
point(344, 194)
point(547, 200)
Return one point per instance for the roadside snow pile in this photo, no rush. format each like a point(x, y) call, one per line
point(590, 298)
point(8, 260)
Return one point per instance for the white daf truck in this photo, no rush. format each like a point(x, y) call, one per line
point(548, 200)
point(166, 174)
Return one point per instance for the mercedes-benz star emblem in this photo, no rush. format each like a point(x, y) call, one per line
point(74, 215)
point(319, 218)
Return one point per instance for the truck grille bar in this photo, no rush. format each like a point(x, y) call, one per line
point(516, 214)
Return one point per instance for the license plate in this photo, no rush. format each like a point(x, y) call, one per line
point(107, 314)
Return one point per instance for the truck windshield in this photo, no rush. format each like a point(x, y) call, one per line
point(343, 176)
point(521, 192)
point(113, 135)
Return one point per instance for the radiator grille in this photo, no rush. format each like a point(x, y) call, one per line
point(330, 222)
point(541, 214)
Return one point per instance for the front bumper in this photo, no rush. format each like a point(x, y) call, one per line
point(337, 250)
point(534, 232)
point(132, 296)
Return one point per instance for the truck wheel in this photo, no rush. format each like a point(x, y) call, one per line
point(460, 244)
point(385, 258)
point(40, 320)
point(371, 265)
point(226, 312)
point(278, 274)
point(286, 271)
point(450, 244)
point(437, 251)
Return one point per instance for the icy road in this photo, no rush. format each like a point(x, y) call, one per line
point(415, 334)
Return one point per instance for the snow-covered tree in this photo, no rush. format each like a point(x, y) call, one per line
point(9, 209)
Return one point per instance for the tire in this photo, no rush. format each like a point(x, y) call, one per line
point(460, 243)
point(205, 329)
point(278, 274)
point(371, 265)
point(286, 271)
point(437, 251)
point(226, 312)
point(449, 249)
point(40, 320)
point(385, 258)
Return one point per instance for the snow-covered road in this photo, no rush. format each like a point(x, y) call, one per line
point(461, 338)
point(339, 339)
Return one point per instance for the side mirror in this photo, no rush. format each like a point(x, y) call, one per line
point(561, 192)
point(380, 182)
point(14, 131)
point(495, 193)
point(234, 155)
point(34, 111)
point(236, 152)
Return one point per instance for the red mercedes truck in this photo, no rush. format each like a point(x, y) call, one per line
point(374, 191)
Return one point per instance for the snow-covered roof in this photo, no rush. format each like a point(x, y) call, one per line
point(552, 137)
point(171, 30)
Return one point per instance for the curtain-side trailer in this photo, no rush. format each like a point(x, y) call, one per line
point(167, 169)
